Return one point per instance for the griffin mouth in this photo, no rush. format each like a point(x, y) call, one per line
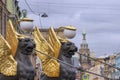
point(29, 49)
point(74, 50)
point(71, 52)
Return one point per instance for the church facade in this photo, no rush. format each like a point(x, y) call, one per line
point(84, 53)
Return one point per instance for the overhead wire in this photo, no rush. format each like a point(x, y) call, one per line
point(31, 10)
point(100, 61)
point(40, 21)
point(77, 5)
point(34, 13)
point(74, 3)
point(81, 7)
point(103, 14)
point(30, 7)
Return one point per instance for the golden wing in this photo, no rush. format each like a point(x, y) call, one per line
point(11, 37)
point(50, 66)
point(41, 45)
point(54, 42)
point(8, 66)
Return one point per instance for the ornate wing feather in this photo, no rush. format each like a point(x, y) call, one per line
point(41, 45)
point(8, 66)
point(50, 66)
point(54, 42)
point(11, 37)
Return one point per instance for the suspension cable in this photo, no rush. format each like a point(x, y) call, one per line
point(100, 61)
point(80, 69)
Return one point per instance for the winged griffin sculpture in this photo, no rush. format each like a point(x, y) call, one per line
point(58, 48)
point(15, 51)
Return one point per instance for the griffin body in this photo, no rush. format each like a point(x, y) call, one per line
point(66, 72)
point(25, 69)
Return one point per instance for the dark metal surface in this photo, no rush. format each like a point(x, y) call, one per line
point(67, 71)
point(25, 70)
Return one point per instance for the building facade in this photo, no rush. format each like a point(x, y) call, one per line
point(92, 55)
point(108, 69)
point(14, 12)
point(117, 64)
point(3, 17)
point(9, 9)
point(84, 53)
point(96, 69)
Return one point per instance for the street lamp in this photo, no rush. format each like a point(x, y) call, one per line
point(44, 15)
point(68, 31)
point(26, 24)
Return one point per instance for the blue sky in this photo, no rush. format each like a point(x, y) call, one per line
point(100, 19)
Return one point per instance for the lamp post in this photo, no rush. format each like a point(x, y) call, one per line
point(26, 24)
point(68, 31)
point(44, 15)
